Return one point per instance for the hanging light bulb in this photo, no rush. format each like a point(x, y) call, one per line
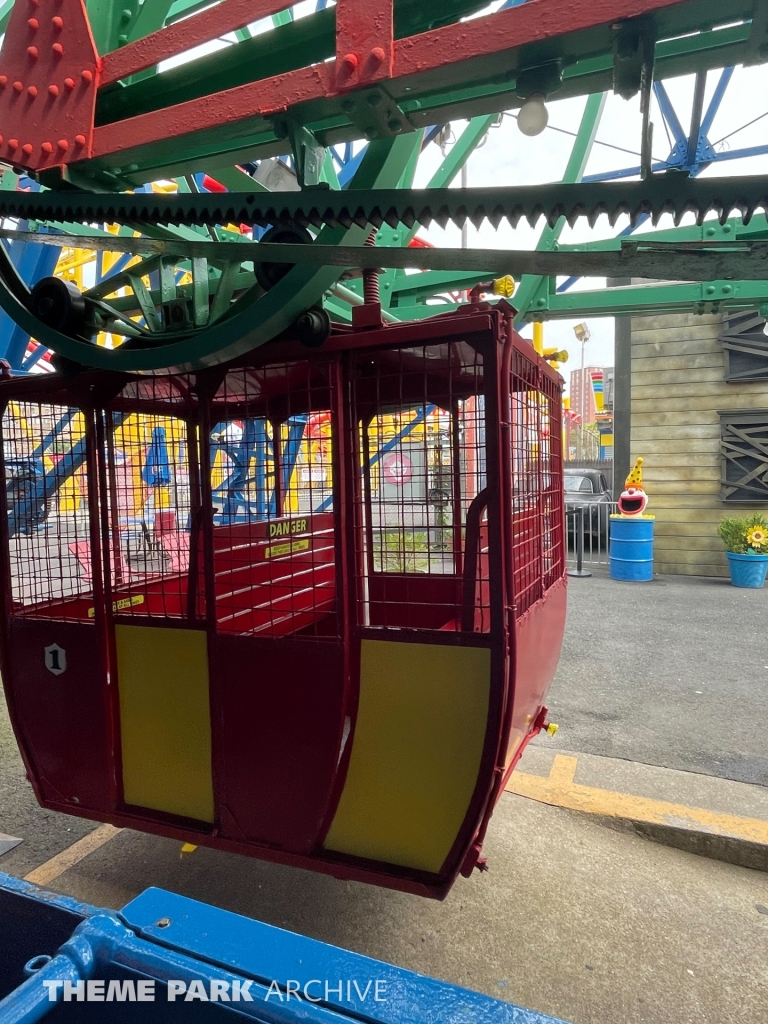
point(533, 115)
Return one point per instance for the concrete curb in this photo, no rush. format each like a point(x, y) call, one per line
point(732, 850)
point(707, 831)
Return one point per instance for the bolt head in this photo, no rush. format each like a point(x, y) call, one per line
point(13, 143)
point(53, 90)
point(34, 24)
point(18, 87)
point(33, 52)
point(27, 149)
point(80, 140)
point(349, 63)
point(63, 145)
point(47, 148)
point(379, 54)
point(32, 91)
point(87, 76)
point(69, 83)
point(58, 23)
point(3, 81)
point(58, 49)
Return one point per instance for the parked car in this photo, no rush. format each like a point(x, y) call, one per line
point(588, 489)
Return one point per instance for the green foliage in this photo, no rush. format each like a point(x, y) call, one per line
point(735, 532)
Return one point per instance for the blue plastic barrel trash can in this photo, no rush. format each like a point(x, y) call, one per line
point(631, 549)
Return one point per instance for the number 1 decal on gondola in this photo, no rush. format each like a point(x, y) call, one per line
point(55, 659)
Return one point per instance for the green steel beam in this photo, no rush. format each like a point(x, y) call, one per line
point(640, 300)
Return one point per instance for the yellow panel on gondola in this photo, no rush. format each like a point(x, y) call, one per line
point(165, 719)
point(416, 752)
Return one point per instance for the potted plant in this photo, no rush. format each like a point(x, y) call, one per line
point(746, 547)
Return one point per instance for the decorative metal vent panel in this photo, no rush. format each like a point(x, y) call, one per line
point(745, 346)
point(744, 448)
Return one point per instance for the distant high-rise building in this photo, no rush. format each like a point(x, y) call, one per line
point(583, 395)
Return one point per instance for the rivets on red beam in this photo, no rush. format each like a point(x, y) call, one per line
point(18, 87)
point(47, 148)
point(58, 49)
point(32, 91)
point(3, 81)
point(63, 145)
point(79, 140)
point(13, 144)
point(87, 76)
point(349, 63)
point(34, 24)
point(33, 52)
point(58, 23)
point(53, 90)
point(69, 83)
point(27, 149)
point(378, 54)
point(1, 140)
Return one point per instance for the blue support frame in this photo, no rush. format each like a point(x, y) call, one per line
point(703, 153)
point(278, 977)
point(254, 445)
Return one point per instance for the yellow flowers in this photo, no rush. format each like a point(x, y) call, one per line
point(757, 537)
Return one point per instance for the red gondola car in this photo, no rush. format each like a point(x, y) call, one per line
point(305, 607)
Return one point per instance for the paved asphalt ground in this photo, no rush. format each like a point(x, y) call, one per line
point(671, 673)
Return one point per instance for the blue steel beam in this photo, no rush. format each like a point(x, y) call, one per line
point(21, 518)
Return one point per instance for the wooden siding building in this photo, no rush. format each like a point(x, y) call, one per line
point(699, 418)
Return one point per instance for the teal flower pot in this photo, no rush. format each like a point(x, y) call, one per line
point(747, 570)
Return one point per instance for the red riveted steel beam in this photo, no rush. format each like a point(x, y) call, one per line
point(532, 22)
point(270, 96)
point(184, 35)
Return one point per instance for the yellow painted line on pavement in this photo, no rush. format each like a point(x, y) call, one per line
point(73, 854)
point(559, 790)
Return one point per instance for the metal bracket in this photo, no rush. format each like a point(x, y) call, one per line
point(376, 114)
point(634, 53)
point(544, 78)
point(308, 154)
point(757, 43)
point(634, 45)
